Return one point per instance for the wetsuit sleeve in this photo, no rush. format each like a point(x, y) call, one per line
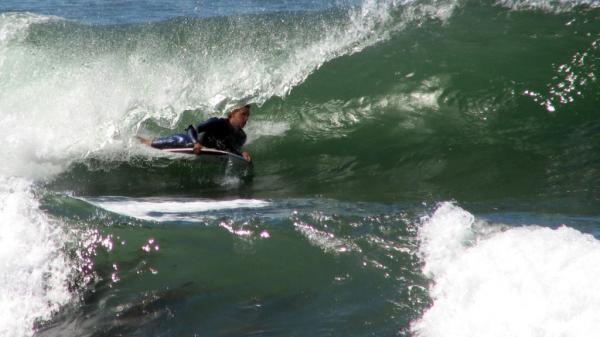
point(239, 142)
point(192, 134)
point(208, 125)
point(242, 139)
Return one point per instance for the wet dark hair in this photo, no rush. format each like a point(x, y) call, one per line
point(230, 113)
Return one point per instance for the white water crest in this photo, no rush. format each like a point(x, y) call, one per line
point(492, 280)
point(34, 270)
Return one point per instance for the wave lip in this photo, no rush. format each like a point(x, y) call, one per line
point(14, 25)
point(494, 281)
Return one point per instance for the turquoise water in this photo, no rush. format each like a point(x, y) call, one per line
point(421, 168)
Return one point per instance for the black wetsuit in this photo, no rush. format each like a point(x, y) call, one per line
point(216, 133)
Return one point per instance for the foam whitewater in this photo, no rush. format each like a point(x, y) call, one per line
point(491, 279)
point(36, 270)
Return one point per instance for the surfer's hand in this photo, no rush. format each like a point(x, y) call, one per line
point(197, 148)
point(246, 156)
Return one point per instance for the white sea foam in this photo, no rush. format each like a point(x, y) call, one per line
point(170, 210)
point(33, 268)
point(497, 281)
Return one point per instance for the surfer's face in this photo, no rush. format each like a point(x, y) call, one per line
point(239, 118)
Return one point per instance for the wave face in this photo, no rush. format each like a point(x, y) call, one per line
point(95, 85)
point(364, 114)
point(493, 102)
point(501, 110)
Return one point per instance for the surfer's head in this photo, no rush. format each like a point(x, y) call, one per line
point(238, 117)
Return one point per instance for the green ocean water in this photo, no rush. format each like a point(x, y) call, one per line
point(491, 103)
point(420, 168)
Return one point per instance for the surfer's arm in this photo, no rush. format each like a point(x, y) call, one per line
point(238, 142)
point(201, 129)
point(197, 134)
point(197, 148)
point(193, 135)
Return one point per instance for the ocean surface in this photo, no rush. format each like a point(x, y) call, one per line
point(426, 168)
